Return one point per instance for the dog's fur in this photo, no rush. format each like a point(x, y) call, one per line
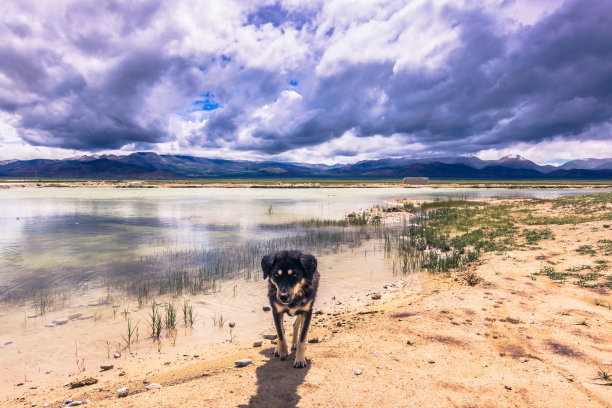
point(292, 286)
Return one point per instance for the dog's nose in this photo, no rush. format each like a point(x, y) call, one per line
point(283, 297)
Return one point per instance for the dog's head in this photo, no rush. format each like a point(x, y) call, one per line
point(289, 271)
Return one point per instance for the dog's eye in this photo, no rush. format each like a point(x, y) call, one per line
point(289, 272)
point(279, 272)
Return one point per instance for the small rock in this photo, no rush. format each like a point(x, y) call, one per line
point(83, 382)
point(270, 336)
point(318, 312)
point(153, 386)
point(60, 321)
point(232, 324)
point(410, 343)
point(357, 371)
point(431, 361)
point(75, 403)
point(68, 401)
point(258, 343)
point(106, 367)
point(122, 392)
point(87, 402)
point(376, 296)
point(375, 353)
point(117, 355)
point(267, 308)
point(243, 363)
point(508, 387)
point(8, 342)
point(314, 340)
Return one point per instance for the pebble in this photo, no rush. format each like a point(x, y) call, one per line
point(117, 355)
point(318, 312)
point(258, 343)
point(243, 363)
point(509, 388)
point(232, 324)
point(270, 336)
point(60, 321)
point(75, 403)
point(267, 308)
point(357, 371)
point(314, 340)
point(122, 392)
point(376, 296)
point(153, 386)
point(8, 342)
point(106, 367)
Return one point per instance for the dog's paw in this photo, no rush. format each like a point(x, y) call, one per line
point(300, 363)
point(281, 350)
point(293, 347)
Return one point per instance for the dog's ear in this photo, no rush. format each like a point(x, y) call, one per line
point(309, 263)
point(267, 262)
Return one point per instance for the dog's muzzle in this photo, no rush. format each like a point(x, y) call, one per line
point(284, 298)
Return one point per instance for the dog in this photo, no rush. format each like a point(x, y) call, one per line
point(292, 286)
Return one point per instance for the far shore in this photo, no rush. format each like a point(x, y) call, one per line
point(300, 183)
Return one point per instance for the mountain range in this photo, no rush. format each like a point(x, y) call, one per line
point(148, 165)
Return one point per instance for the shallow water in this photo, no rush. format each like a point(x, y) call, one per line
point(53, 237)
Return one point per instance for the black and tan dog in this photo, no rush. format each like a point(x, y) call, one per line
point(291, 288)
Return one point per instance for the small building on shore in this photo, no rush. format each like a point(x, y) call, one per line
point(420, 181)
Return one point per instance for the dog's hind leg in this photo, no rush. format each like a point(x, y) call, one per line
point(281, 346)
point(300, 354)
point(296, 330)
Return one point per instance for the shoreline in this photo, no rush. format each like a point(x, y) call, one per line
point(517, 337)
point(323, 184)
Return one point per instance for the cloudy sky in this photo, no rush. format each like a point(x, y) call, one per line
point(313, 81)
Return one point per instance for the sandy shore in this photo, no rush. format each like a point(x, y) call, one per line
point(517, 338)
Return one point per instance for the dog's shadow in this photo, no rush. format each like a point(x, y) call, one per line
point(277, 382)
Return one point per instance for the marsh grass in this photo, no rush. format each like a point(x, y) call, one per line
point(188, 316)
point(155, 322)
point(132, 333)
point(170, 317)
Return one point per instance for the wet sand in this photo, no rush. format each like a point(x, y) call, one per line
point(515, 339)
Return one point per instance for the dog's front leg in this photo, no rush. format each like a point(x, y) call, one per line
point(281, 345)
point(300, 354)
point(296, 330)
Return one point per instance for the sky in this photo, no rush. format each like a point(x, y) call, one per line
point(334, 81)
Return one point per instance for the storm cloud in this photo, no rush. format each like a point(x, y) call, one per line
point(312, 81)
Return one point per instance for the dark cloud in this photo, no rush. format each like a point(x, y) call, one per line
point(546, 80)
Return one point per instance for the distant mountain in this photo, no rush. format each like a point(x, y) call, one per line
point(587, 164)
point(147, 165)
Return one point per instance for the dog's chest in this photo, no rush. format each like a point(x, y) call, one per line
point(292, 311)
